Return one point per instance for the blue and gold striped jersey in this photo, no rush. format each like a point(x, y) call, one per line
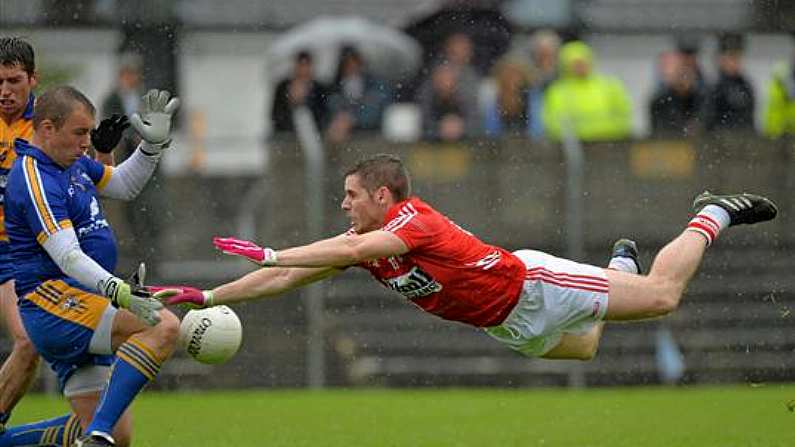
point(43, 198)
point(21, 128)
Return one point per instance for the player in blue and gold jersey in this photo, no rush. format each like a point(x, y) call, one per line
point(80, 317)
point(18, 77)
point(17, 80)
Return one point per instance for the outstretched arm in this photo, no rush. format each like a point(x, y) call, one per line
point(340, 251)
point(286, 269)
point(259, 284)
point(269, 282)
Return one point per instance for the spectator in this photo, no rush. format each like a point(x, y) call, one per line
point(125, 99)
point(141, 240)
point(593, 106)
point(357, 98)
point(458, 52)
point(676, 105)
point(301, 89)
point(730, 102)
point(688, 47)
point(545, 46)
point(448, 98)
point(509, 111)
point(448, 114)
point(779, 118)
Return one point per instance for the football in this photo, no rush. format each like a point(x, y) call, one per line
point(211, 335)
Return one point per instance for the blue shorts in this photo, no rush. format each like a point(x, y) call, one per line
point(61, 321)
point(6, 264)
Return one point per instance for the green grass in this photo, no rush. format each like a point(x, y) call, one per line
point(615, 417)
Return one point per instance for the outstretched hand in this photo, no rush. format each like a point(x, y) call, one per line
point(153, 122)
point(183, 296)
point(246, 249)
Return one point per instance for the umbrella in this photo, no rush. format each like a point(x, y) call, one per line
point(387, 52)
point(484, 23)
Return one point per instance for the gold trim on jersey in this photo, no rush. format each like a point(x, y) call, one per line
point(43, 236)
point(69, 303)
point(107, 173)
point(36, 190)
point(22, 128)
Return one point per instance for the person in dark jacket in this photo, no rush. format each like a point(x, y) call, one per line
point(676, 107)
point(730, 102)
point(301, 89)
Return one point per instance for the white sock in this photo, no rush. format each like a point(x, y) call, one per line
point(709, 222)
point(624, 264)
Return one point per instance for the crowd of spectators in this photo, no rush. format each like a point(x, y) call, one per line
point(546, 90)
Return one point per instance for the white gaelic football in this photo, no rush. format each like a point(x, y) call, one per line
point(211, 335)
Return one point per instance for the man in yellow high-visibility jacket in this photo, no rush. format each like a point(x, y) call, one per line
point(594, 107)
point(779, 117)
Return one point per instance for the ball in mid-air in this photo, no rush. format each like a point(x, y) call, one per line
point(211, 335)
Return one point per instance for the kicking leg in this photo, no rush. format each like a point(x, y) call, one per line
point(140, 351)
point(86, 404)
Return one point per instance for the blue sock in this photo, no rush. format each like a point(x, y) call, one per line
point(60, 431)
point(136, 364)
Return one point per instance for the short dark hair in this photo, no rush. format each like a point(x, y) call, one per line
point(383, 170)
point(731, 42)
point(303, 56)
point(15, 50)
point(57, 103)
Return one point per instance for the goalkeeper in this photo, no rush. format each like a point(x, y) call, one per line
point(535, 303)
point(82, 318)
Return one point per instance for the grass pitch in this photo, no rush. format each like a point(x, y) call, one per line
point(705, 416)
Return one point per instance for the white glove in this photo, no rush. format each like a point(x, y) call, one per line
point(134, 298)
point(153, 123)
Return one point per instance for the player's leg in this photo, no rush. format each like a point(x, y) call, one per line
point(634, 297)
point(59, 431)
point(86, 404)
point(624, 257)
point(60, 321)
point(20, 367)
point(16, 375)
point(577, 346)
point(140, 352)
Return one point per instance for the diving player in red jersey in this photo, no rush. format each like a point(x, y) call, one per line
point(536, 303)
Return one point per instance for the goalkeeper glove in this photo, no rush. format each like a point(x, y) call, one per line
point(153, 123)
point(249, 250)
point(109, 132)
point(187, 297)
point(134, 298)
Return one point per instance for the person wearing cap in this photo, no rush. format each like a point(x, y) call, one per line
point(593, 106)
point(730, 101)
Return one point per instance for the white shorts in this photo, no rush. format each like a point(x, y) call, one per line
point(559, 296)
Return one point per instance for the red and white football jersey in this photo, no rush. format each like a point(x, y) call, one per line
point(448, 271)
